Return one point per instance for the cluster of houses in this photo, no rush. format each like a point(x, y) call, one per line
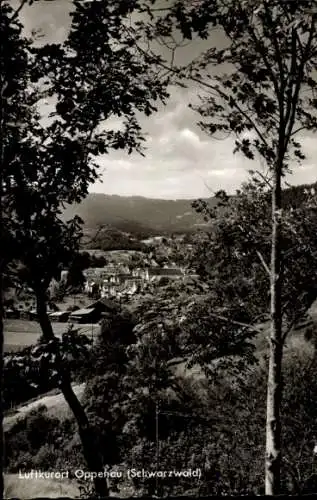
point(91, 313)
point(106, 286)
point(112, 281)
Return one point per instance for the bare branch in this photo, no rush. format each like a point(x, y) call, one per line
point(264, 264)
point(291, 77)
point(17, 12)
point(175, 362)
point(294, 98)
point(299, 129)
point(237, 323)
point(267, 182)
point(287, 331)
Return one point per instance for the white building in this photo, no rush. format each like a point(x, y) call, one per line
point(64, 276)
point(154, 274)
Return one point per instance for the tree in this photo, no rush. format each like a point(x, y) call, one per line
point(134, 366)
point(13, 108)
point(75, 277)
point(263, 92)
point(235, 254)
point(44, 165)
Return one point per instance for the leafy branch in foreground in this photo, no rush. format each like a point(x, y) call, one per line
point(49, 159)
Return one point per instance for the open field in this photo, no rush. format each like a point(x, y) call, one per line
point(55, 404)
point(22, 333)
point(16, 487)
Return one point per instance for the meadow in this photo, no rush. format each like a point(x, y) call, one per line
point(22, 333)
point(32, 488)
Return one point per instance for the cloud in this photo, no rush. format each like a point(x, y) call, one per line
point(181, 161)
point(51, 18)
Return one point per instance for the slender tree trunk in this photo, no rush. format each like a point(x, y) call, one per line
point(88, 439)
point(2, 245)
point(274, 385)
point(90, 446)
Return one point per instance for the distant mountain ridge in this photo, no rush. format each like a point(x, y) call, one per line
point(136, 214)
point(150, 216)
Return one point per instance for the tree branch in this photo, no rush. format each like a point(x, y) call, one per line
point(287, 331)
point(262, 51)
point(17, 12)
point(236, 323)
point(264, 264)
point(297, 130)
point(267, 182)
point(205, 85)
point(175, 362)
point(290, 79)
point(277, 49)
point(294, 98)
point(289, 18)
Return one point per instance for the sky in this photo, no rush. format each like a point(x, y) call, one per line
point(181, 161)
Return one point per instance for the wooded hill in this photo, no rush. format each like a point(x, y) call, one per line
point(144, 217)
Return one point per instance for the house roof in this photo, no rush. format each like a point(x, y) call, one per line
point(56, 314)
point(104, 301)
point(82, 312)
point(165, 272)
point(95, 270)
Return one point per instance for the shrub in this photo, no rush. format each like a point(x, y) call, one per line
point(217, 426)
point(39, 440)
point(24, 379)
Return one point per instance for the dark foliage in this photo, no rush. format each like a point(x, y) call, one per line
point(215, 427)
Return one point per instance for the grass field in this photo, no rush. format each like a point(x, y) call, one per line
point(55, 404)
point(16, 487)
point(22, 333)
